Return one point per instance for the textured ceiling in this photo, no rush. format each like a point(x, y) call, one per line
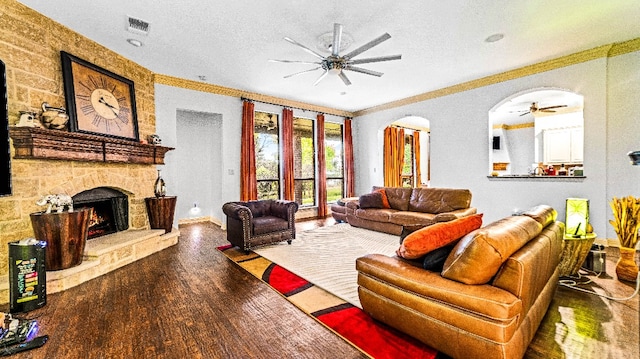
point(442, 43)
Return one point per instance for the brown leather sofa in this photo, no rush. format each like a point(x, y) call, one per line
point(411, 207)
point(489, 299)
point(255, 223)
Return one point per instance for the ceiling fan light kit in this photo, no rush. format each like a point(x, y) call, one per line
point(337, 64)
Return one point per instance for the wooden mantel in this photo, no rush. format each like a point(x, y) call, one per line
point(39, 143)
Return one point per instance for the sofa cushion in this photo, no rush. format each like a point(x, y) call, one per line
point(439, 200)
point(543, 214)
point(398, 197)
point(406, 218)
point(269, 224)
point(385, 199)
point(437, 235)
point(408, 229)
point(478, 256)
point(434, 260)
point(375, 214)
point(371, 200)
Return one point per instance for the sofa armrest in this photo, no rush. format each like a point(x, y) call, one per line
point(376, 271)
point(353, 205)
point(237, 211)
point(458, 213)
point(283, 209)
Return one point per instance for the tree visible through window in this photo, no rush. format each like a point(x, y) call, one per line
point(407, 168)
point(304, 163)
point(334, 161)
point(266, 140)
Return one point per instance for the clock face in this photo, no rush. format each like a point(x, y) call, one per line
point(103, 103)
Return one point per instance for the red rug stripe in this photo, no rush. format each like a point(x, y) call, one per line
point(284, 281)
point(374, 338)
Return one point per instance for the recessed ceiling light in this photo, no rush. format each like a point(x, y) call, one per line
point(343, 93)
point(494, 38)
point(134, 42)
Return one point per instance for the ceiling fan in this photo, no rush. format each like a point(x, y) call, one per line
point(335, 63)
point(534, 108)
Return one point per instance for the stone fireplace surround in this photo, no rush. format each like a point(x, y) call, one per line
point(35, 176)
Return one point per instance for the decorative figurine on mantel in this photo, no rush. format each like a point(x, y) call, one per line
point(159, 187)
point(28, 119)
point(54, 118)
point(56, 202)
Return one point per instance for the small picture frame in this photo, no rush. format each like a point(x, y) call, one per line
point(98, 101)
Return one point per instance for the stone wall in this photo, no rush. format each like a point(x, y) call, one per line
point(30, 46)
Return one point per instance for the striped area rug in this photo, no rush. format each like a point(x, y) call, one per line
point(317, 274)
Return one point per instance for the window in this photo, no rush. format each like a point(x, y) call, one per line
point(266, 140)
point(407, 168)
point(304, 164)
point(334, 159)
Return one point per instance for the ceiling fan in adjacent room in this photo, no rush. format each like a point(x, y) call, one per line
point(534, 109)
point(335, 63)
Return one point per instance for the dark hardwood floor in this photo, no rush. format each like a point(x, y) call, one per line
point(190, 301)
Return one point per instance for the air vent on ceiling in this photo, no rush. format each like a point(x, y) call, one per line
point(137, 26)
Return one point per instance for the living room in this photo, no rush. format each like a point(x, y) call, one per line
point(605, 74)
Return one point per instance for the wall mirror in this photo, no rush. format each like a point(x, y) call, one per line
point(5, 157)
point(535, 133)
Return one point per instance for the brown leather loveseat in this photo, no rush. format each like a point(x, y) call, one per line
point(489, 299)
point(411, 207)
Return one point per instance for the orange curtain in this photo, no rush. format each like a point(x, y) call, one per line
point(287, 153)
point(248, 180)
point(416, 149)
point(349, 172)
point(322, 167)
point(393, 156)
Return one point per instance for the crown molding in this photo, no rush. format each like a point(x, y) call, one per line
point(228, 91)
point(583, 56)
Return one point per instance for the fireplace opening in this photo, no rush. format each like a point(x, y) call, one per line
point(110, 210)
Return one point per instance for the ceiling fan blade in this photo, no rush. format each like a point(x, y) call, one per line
point(375, 59)
point(344, 78)
point(305, 48)
point(367, 46)
point(326, 72)
point(295, 62)
point(301, 72)
point(550, 107)
point(364, 71)
point(337, 39)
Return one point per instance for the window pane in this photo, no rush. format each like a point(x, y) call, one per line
point(267, 155)
point(334, 190)
point(334, 160)
point(304, 165)
point(407, 168)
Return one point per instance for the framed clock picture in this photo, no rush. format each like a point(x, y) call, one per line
point(98, 101)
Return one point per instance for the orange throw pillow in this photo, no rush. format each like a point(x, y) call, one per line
point(424, 240)
point(385, 199)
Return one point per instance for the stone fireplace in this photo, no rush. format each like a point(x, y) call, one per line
point(116, 180)
point(110, 210)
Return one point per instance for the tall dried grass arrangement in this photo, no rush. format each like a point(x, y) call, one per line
point(626, 219)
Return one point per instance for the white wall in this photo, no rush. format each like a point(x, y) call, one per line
point(226, 172)
point(198, 135)
point(224, 175)
point(459, 145)
point(623, 127)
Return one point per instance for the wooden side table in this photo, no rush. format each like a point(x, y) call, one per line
point(161, 211)
point(574, 252)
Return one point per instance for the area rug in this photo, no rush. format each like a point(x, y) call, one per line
point(339, 312)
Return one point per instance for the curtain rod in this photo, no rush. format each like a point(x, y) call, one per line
point(408, 128)
point(285, 106)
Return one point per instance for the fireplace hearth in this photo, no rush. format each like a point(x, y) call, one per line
point(110, 210)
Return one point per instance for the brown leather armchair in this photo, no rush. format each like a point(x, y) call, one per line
point(256, 223)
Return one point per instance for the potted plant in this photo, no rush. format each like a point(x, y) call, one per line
point(63, 229)
point(626, 222)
